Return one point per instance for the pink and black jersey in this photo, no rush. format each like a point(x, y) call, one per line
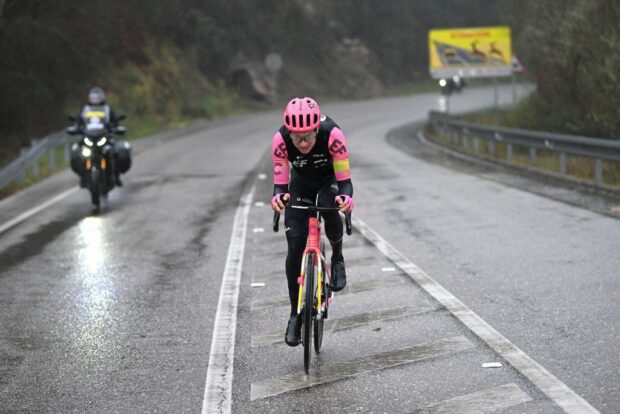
point(328, 159)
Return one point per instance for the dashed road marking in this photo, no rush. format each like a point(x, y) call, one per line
point(350, 322)
point(354, 287)
point(322, 374)
point(491, 399)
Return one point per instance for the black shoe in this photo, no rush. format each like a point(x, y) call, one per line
point(339, 276)
point(292, 337)
point(117, 181)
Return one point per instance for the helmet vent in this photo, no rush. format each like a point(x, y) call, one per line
point(308, 123)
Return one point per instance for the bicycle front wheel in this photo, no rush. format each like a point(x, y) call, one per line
point(319, 322)
point(307, 313)
point(318, 334)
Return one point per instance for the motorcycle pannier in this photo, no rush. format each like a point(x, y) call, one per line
point(123, 154)
point(77, 163)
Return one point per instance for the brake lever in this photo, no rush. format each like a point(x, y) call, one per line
point(276, 222)
point(347, 223)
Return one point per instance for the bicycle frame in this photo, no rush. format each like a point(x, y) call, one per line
point(313, 244)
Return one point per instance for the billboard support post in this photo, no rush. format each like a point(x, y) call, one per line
point(495, 93)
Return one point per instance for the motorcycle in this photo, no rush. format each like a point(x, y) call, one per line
point(93, 156)
point(449, 85)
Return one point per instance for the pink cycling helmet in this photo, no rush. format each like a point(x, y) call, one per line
point(302, 115)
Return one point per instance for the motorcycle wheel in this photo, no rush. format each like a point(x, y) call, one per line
point(95, 187)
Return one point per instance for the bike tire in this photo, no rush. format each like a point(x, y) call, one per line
point(319, 323)
point(318, 334)
point(95, 187)
point(307, 314)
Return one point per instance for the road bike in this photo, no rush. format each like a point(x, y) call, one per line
point(315, 295)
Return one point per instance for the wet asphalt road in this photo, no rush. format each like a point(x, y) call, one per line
point(113, 312)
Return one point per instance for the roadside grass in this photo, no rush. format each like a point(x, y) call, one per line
point(579, 167)
point(46, 167)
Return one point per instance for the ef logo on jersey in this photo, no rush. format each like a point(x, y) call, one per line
point(280, 151)
point(337, 147)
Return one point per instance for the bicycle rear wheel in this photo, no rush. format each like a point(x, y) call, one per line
point(307, 313)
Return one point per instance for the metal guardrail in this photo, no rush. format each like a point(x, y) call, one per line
point(31, 157)
point(461, 132)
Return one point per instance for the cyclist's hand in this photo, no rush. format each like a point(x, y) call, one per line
point(278, 200)
point(345, 203)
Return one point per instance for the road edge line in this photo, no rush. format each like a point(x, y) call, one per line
point(27, 214)
point(553, 388)
point(218, 388)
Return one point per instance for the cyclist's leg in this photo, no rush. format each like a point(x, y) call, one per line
point(296, 224)
point(334, 233)
point(332, 220)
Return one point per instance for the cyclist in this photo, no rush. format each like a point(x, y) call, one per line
point(316, 149)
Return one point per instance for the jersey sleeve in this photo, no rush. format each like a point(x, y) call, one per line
point(338, 149)
point(280, 161)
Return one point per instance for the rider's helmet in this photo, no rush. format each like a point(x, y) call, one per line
point(302, 115)
point(96, 96)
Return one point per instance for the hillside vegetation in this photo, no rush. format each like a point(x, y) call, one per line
point(572, 50)
point(164, 62)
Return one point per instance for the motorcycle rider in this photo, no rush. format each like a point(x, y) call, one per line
point(316, 148)
point(97, 111)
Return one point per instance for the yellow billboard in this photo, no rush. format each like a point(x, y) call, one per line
point(470, 52)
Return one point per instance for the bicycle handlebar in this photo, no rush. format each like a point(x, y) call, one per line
point(347, 216)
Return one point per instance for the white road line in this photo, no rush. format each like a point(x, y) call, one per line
point(27, 214)
point(492, 399)
point(324, 373)
point(218, 389)
point(556, 390)
point(352, 321)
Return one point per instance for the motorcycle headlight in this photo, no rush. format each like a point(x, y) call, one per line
point(442, 83)
point(86, 152)
point(88, 142)
point(102, 142)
